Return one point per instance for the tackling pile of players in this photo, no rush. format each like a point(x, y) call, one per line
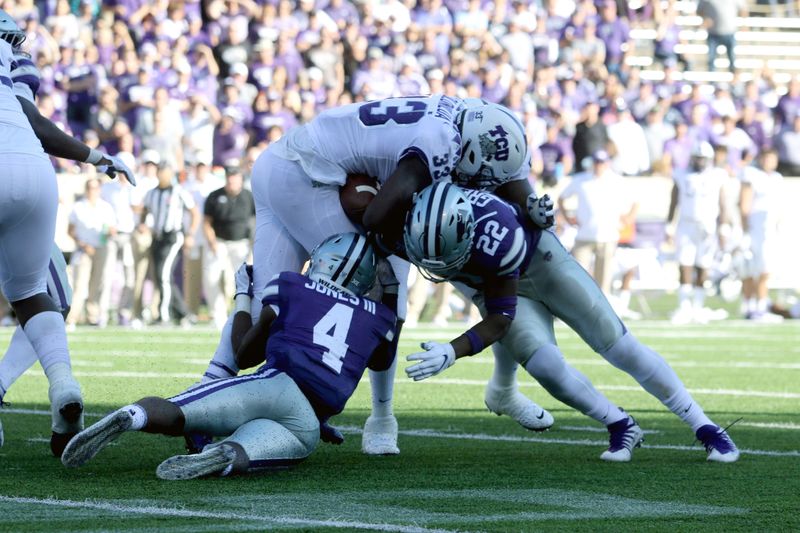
point(454, 200)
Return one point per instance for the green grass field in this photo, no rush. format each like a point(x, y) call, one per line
point(460, 467)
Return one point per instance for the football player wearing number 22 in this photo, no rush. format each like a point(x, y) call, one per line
point(407, 144)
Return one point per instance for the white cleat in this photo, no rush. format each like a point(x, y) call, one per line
point(718, 444)
point(66, 406)
point(624, 436)
point(90, 441)
point(380, 436)
point(212, 460)
point(513, 403)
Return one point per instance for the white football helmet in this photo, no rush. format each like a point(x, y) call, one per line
point(702, 156)
point(439, 231)
point(345, 261)
point(493, 145)
point(10, 32)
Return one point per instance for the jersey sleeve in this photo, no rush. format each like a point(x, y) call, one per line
point(500, 246)
point(25, 76)
point(272, 294)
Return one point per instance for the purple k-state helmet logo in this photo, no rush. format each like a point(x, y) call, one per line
point(494, 143)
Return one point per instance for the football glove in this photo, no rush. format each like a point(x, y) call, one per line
point(436, 357)
point(244, 280)
point(115, 167)
point(541, 210)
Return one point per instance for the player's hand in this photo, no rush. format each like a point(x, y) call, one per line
point(436, 357)
point(330, 434)
point(113, 165)
point(244, 280)
point(541, 210)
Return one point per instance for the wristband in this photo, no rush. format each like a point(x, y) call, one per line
point(94, 156)
point(475, 341)
point(241, 302)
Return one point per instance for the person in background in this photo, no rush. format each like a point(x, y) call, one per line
point(163, 208)
point(602, 207)
point(229, 215)
point(121, 197)
point(761, 199)
point(91, 224)
point(200, 182)
point(719, 19)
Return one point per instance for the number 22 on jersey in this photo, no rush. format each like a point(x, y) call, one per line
point(331, 332)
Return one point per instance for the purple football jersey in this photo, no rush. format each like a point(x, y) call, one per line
point(504, 241)
point(323, 338)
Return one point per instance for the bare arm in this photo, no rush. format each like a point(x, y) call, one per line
point(208, 232)
point(516, 192)
point(673, 204)
point(495, 325)
point(54, 141)
point(386, 213)
point(746, 205)
point(252, 350)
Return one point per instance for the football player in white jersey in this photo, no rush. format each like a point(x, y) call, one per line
point(761, 197)
point(28, 204)
point(406, 143)
point(698, 198)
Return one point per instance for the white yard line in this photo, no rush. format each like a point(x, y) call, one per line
point(568, 442)
point(189, 513)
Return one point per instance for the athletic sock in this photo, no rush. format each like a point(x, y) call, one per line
point(47, 335)
point(699, 298)
point(138, 414)
point(504, 375)
point(684, 295)
point(382, 384)
point(19, 358)
point(223, 363)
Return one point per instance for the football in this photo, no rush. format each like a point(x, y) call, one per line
point(356, 194)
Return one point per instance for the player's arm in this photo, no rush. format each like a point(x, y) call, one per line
point(58, 144)
point(386, 214)
point(520, 193)
point(746, 205)
point(54, 141)
point(253, 347)
point(501, 302)
point(673, 204)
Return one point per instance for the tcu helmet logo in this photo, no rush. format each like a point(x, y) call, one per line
point(494, 143)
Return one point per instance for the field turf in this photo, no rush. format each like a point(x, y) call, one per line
point(460, 468)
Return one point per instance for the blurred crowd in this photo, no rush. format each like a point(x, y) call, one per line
point(200, 86)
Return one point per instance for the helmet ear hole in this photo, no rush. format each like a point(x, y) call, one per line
point(438, 237)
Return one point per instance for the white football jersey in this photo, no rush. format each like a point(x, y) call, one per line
point(372, 137)
point(767, 192)
point(699, 196)
point(16, 134)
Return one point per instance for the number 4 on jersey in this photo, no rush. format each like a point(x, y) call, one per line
point(331, 332)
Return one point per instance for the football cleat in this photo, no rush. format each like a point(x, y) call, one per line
point(718, 444)
point(216, 459)
point(516, 405)
point(90, 441)
point(380, 436)
point(66, 406)
point(624, 436)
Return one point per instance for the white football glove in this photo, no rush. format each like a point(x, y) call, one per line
point(117, 166)
point(436, 357)
point(244, 280)
point(541, 210)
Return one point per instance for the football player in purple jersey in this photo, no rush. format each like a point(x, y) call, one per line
point(318, 334)
point(521, 278)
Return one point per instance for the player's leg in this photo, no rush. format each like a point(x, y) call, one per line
point(686, 250)
point(28, 209)
point(577, 300)
point(380, 429)
point(19, 357)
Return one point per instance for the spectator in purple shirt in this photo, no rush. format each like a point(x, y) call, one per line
point(677, 151)
point(753, 127)
point(343, 12)
point(789, 104)
point(230, 139)
point(668, 37)
point(556, 159)
point(615, 33)
point(374, 82)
